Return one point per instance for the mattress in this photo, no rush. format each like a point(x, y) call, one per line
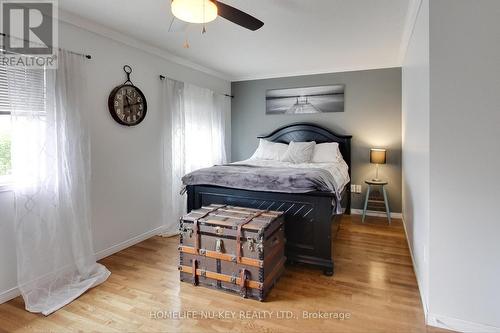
point(339, 170)
point(275, 176)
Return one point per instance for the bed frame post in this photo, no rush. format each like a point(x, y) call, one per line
point(190, 198)
point(347, 159)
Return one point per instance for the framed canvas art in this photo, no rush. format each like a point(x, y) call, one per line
point(305, 100)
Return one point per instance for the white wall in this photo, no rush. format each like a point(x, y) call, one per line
point(451, 122)
point(415, 156)
point(125, 161)
point(464, 257)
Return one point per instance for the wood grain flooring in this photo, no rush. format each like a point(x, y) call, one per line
point(373, 290)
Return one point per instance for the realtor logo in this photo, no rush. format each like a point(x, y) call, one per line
point(29, 32)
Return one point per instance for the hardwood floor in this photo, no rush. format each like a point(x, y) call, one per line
point(374, 285)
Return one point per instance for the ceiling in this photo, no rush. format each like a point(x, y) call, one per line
point(299, 37)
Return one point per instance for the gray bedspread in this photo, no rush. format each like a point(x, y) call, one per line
point(272, 179)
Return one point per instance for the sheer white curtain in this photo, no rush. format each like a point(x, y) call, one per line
point(204, 134)
point(173, 153)
point(51, 169)
point(194, 137)
point(223, 106)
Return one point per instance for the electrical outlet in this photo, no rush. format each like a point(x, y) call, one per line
point(355, 188)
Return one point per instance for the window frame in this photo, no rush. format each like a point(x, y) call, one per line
point(6, 181)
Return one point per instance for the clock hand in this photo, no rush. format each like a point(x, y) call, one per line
point(126, 101)
point(135, 104)
point(128, 107)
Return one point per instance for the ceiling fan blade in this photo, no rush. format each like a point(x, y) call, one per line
point(237, 16)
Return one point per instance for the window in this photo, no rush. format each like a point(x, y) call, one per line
point(5, 129)
point(5, 140)
point(23, 89)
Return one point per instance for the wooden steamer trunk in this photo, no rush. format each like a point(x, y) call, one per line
point(234, 249)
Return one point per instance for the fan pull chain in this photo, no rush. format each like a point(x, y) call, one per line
point(204, 30)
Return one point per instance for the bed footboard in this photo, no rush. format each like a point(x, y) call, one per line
point(308, 218)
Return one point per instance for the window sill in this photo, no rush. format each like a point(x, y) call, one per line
point(6, 185)
point(6, 188)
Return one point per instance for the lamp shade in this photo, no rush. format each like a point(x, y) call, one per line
point(377, 156)
point(194, 11)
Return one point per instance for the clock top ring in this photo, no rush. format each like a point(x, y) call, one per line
point(128, 70)
point(127, 104)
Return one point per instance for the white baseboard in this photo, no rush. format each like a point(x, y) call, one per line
point(459, 325)
point(7, 295)
point(419, 283)
point(376, 213)
point(128, 243)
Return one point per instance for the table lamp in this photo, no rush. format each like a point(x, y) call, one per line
point(377, 156)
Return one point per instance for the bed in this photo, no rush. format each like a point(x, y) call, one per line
point(309, 216)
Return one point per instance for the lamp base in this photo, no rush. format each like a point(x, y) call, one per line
point(376, 179)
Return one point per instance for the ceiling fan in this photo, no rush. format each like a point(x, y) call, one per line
point(204, 11)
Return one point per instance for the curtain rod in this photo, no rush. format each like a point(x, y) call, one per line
point(163, 77)
point(87, 56)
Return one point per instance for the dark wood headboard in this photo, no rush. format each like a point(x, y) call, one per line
point(302, 132)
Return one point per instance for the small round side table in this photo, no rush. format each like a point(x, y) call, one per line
point(381, 183)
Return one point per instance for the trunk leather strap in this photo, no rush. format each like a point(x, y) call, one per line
point(196, 227)
point(243, 282)
point(238, 234)
point(196, 231)
point(223, 277)
point(195, 277)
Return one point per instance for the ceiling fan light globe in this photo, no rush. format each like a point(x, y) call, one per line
point(194, 11)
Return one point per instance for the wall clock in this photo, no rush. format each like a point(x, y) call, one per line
point(126, 103)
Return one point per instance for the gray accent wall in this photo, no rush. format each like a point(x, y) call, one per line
point(372, 116)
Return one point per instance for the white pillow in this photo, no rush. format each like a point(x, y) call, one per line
point(270, 150)
point(299, 152)
point(326, 153)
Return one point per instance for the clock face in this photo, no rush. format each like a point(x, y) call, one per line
point(127, 105)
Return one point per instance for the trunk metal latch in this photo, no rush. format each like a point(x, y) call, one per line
point(251, 244)
point(187, 232)
point(219, 245)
